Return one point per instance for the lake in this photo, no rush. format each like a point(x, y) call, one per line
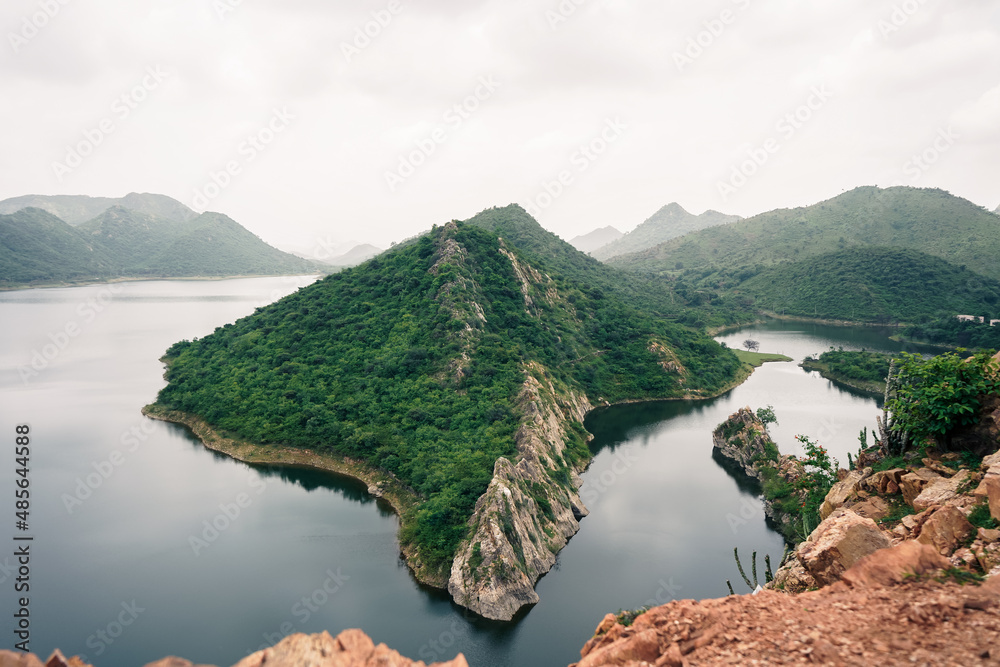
point(146, 544)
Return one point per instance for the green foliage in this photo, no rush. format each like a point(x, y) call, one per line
point(937, 395)
point(627, 617)
point(952, 332)
point(767, 415)
point(897, 510)
point(413, 362)
point(862, 370)
point(476, 557)
point(873, 285)
point(980, 517)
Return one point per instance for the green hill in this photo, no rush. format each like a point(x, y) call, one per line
point(669, 222)
point(78, 209)
point(417, 361)
point(927, 220)
point(38, 248)
point(872, 285)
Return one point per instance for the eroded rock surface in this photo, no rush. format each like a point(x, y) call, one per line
point(530, 509)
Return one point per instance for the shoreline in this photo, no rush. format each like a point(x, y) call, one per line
point(134, 279)
point(381, 484)
point(871, 388)
point(767, 315)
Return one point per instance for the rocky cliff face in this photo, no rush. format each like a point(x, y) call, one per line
point(531, 507)
point(743, 439)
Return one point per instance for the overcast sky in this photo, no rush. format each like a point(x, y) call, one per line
point(332, 121)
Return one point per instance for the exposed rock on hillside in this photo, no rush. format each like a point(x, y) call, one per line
point(743, 439)
point(530, 509)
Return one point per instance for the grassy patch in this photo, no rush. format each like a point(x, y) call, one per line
point(758, 359)
point(898, 509)
point(980, 517)
point(628, 617)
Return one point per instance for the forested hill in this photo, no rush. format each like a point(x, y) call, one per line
point(413, 361)
point(37, 247)
point(927, 220)
point(873, 285)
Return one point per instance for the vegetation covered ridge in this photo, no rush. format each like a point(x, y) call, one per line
point(862, 370)
point(413, 363)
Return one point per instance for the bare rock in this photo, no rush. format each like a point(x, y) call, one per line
point(351, 648)
point(18, 659)
point(965, 559)
point(526, 516)
point(889, 566)
point(874, 508)
point(938, 467)
point(939, 491)
point(992, 487)
point(792, 578)
point(988, 555)
point(842, 491)
point(173, 661)
point(839, 542)
point(885, 482)
point(913, 483)
point(945, 530)
point(57, 659)
point(987, 535)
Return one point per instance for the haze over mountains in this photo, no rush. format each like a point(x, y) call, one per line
point(669, 222)
point(599, 237)
point(139, 235)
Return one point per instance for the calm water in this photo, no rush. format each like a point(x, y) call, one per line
point(119, 503)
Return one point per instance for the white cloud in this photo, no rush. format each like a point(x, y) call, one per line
point(324, 177)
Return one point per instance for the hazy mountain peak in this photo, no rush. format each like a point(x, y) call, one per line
point(595, 239)
point(78, 209)
point(667, 223)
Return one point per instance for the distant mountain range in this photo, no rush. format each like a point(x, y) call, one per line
point(669, 222)
point(599, 237)
point(137, 236)
point(78, 209)
point(931, 221)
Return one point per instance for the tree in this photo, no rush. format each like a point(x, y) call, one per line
point(936, 396)
point(767, 415)
point(751, 345)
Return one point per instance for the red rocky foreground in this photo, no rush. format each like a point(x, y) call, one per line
point(351, 648)
point(892, 608)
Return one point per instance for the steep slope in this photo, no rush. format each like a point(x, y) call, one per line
point(873, 285)
point(72, 209)
point(462, 367)
point(78, 209)
point(929, 220)
point(129, 236)
point(214, 244)
point(595, 239)
point(669, 222)
point(37, 246)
